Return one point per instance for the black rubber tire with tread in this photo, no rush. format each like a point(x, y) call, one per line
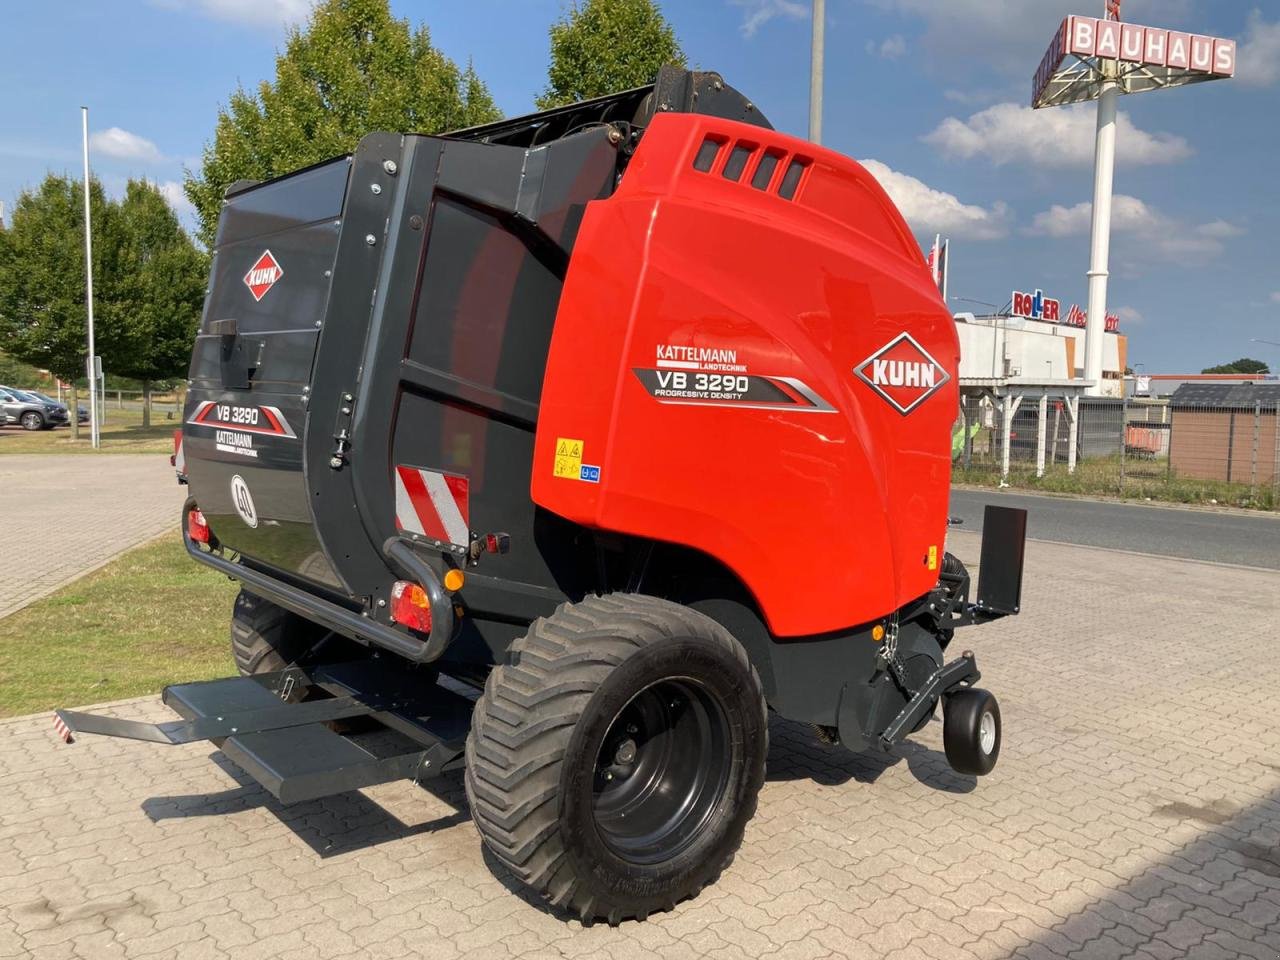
point(961, 723)
point(32, 421)
point(266, 638)
point(537, 728)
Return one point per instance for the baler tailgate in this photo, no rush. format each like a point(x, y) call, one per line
point(291, 748)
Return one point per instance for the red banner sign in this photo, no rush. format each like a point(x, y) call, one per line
point(1079, 318)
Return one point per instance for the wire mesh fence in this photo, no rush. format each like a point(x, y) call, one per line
point(165, 405)
point(1156, 449)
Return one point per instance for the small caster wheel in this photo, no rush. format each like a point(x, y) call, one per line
point(971, 730)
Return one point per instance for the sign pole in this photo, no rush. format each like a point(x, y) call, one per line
point(88, 282)
point(816, 53)
point(1104, 162)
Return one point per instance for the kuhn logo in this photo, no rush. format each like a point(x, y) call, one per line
point(263, 275)
point(903, 373)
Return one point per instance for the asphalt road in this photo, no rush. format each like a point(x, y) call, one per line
point(1251, 540)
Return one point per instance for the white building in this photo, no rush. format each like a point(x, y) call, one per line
point(1032, 352)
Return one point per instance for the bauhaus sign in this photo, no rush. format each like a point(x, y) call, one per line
point(1149, 58)
point(1153, 46)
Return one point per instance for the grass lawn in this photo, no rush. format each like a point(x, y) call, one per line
point(122, 433)
point(150, 617)
point(1134, 480)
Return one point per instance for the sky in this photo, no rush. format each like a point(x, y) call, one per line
point(931, 95)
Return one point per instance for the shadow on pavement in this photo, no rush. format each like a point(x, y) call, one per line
point(331, 826)
point(1217, 898)
point(796, 753)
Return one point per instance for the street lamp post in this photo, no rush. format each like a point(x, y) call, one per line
point(88, 283)
point(816, 52)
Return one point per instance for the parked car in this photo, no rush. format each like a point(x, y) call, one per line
point(82, 414)
point(29, 411)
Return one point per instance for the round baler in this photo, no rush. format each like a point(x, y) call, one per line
point(565, 450)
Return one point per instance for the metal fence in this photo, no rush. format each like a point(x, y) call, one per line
point(164, 405)
point(1191, 453)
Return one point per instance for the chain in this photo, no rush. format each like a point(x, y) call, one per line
point(889, 655)
point(890, 650)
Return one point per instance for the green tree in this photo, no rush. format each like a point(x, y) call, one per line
point(604, 46)
point(158, 293)
point(15, 373)
point(42, 284)
point(1243, 365)
point(352, 69)
point(148, 283)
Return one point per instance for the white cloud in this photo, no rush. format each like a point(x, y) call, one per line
point(173, 192)
point(756, 13)
point(970, 98)
point(990, 36)
point(930, 211)
point(124, 145)
point(1129, 316)
point(1062, 137)
point(891, 48)
point(256, 13)
point(1151, 231)
point(1259, 58)
point(1275, 297)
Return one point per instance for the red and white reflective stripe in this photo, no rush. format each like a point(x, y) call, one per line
point(63, 731)
point(433, 504)
point(179, 457)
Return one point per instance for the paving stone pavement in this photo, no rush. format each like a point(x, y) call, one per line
point(63, 515)
point(1135, 813)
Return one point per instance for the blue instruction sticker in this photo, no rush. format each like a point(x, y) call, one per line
point(589, 473)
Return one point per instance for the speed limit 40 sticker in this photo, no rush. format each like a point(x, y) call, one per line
point(242, 499)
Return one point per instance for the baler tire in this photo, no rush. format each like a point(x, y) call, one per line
point(266, 638)
point(546, 719)
point(971, 730)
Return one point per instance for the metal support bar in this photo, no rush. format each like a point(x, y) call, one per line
point(1073, 431)
point(1011, 405)
point(1275, 461)
point(1253, 458)
point(213, 728)
point(945, 679)
point(1042, 423)
point(1100, 235)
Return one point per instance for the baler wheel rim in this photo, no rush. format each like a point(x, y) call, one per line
point(651, 806)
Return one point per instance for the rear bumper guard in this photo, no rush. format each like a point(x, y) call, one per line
point(339, 619)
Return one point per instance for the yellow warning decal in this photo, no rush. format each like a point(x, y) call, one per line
point(933, 558)
point(568, 458)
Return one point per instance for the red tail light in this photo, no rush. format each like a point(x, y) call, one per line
point(411, 606)
point(197, 528)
